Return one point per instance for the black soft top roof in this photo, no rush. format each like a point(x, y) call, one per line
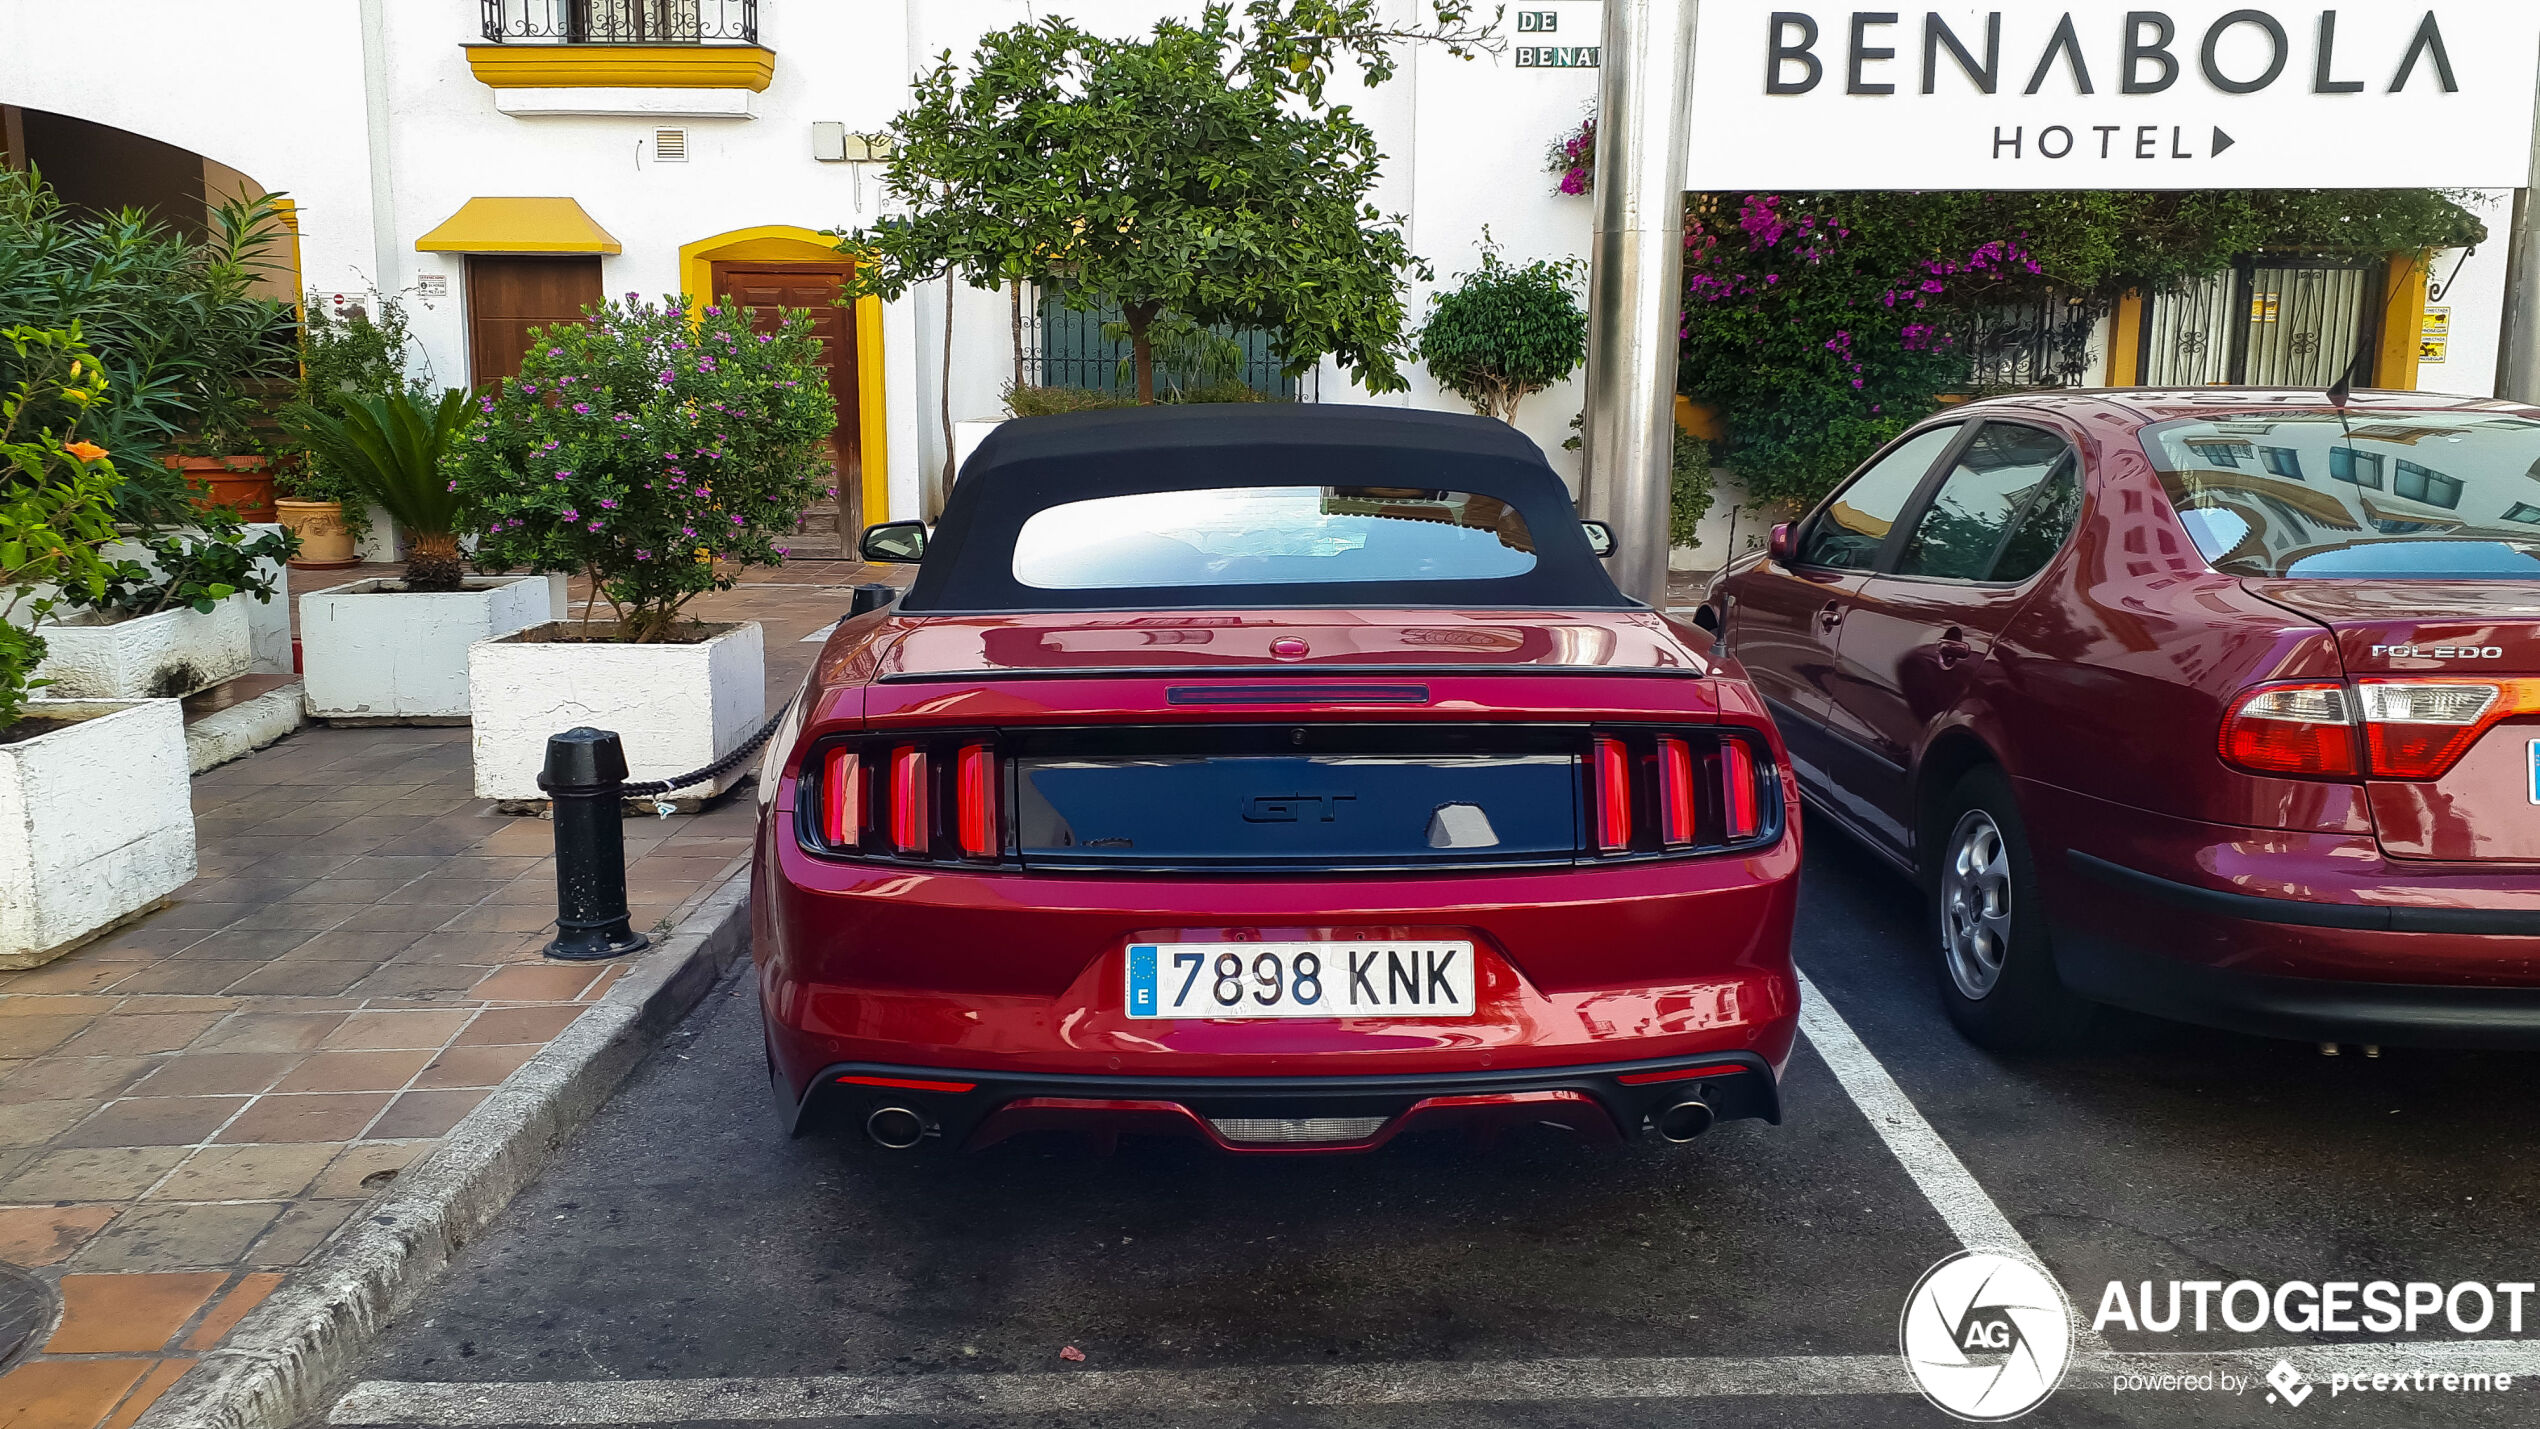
point(1030, 465)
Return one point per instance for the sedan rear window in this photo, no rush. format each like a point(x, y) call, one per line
point(1272, 536)
point(2408, 495)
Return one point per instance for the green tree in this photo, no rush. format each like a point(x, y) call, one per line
point(1198, 171)
point(387, 447)
point(1506, 332)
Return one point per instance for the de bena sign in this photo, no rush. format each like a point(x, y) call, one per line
point(2380, 94)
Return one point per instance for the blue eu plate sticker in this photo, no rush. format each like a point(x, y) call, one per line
point(2535, 771)
point(1142, 980)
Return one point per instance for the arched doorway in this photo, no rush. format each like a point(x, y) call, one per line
point(776, 267)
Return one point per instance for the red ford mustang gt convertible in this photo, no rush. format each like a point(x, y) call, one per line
point(2221, 705)
point(1285, 778)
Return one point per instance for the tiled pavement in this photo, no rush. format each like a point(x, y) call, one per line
point(196, 1103)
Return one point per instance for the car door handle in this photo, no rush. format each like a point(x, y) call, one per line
point(1953, 647)
point(1829, 616)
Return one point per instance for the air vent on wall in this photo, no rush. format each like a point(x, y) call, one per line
point(670, 146)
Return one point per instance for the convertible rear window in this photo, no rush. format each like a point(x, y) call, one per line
point(1272, 535)
point(2407, 495)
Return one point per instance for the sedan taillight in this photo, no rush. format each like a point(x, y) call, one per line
point(911, 828)
point(975, 801)
point(2411, 729)
point(841, 798)
point(2291, 729)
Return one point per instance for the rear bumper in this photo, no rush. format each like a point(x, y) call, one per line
point(2340, 947)
point(1600, 1104)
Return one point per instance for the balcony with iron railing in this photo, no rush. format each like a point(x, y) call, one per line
point(621, 22)
point(654, 58)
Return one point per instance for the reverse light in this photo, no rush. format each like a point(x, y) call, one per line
point(1675, 792)
point(2303, 729)
point(841, 798)
point(975, 801)
point(910, 831)
point(1613, 795)
point(2417, 729)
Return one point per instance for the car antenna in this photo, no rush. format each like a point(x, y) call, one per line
point(2342, 391)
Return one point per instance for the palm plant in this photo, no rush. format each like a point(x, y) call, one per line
point(388, 448)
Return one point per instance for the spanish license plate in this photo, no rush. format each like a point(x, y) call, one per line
point(1231, 980)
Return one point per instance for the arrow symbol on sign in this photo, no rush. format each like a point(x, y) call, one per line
point(2222, 141)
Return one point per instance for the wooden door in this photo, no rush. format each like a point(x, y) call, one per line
point(767, 290)
point(508, 297)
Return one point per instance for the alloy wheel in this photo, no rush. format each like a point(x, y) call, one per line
point(1975, 905)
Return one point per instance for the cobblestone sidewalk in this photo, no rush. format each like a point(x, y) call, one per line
point(194, 1104)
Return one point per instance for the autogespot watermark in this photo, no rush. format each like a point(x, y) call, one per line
point(1987, 1335)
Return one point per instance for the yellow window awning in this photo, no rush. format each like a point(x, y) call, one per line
point(518, 225)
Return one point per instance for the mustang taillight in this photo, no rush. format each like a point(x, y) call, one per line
point(1674, 793)
point(2411, 729)
point(1741, 801)
point(841, 798)
point(904, 797)
point(911, 830)
point(1613, 795)
point(975, 801)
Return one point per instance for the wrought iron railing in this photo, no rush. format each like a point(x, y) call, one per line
point(1089, 351)
point(621, 22)
point(2042, 342)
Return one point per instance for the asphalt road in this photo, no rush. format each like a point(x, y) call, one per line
point(683, 1263)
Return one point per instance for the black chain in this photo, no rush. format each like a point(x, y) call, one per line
point(664, 786)
point(652, 787)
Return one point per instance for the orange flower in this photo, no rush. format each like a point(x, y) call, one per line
point(86, 451)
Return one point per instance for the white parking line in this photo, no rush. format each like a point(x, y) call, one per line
point(1943, 1179)
point(426, 1405)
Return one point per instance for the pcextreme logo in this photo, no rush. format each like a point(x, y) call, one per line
point(1986, 1335)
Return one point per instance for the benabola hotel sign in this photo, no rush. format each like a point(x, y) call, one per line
point(2114, 96)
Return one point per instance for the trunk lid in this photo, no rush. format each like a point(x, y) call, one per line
point(2486, 806)
point(1198, 642)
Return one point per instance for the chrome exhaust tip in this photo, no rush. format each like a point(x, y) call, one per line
point(895, 1128)
point(1684, 1121)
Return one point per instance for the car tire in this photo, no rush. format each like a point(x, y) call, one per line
point(1997, 964)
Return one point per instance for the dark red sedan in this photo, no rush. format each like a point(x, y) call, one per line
point(2219, 704)
point(1286, 778)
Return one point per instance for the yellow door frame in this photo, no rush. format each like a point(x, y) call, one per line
point(784, 243)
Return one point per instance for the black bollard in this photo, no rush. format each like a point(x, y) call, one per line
point(871, 596)
point(586, 776)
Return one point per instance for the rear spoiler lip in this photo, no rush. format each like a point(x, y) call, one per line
point(1288, 672)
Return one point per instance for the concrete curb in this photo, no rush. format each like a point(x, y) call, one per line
point(243, 728)
point(278, 1366)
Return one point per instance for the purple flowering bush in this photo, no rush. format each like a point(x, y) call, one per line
point(1573, 157)
point(655, 454)
point(1819, 325)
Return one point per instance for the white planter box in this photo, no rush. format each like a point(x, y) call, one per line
point(173, 653)
point(371, 651)
point(676, 707)
point(96, 824)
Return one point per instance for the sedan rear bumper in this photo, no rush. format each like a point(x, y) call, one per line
point(904, 1107)
point(2311, 970)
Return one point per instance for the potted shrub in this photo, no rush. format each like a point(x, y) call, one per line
point(396, 650)
point(170, 618)
point(656, 457)
point(96, 818)
point(349, 345)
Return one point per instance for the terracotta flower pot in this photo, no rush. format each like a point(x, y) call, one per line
point(242, 482)
point(325, 544)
